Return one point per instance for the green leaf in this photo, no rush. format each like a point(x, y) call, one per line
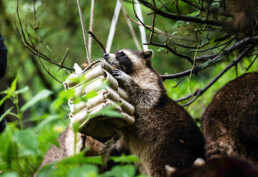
point(10, 174)
point(194, 14)
point(23, 90)
point(41, 95)
point(205, 64)
point(84, 171)
point(47, 170)
point(27, 141)
point(107, 111)
point(81, 159)
point(47, 120)
point(121, 171)
point(5, 98)
point(6, 113)
point(13, 85)
point(125, 159)
point(63, 97)
point(94, 160)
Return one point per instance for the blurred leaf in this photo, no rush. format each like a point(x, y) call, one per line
point(194, 14)
point(9, 174)
point(47, 171)
point(27, 139)
point(47, 120)
point(5, 98)
point(107, 111)
point(121, 171)
point(13, 85)
point(6, 113)
point(84, 171)
point(48, 137)
point(125, 159)
point(90, 95)
point(204, 37)
point(63, 97)
point(81, 159)
point(8, 148)
point(206, 63)
point(41, 95)
point(23, 90)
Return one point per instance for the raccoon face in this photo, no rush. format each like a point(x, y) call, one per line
point(129, 60)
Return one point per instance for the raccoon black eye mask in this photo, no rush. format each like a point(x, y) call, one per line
point(122, 62)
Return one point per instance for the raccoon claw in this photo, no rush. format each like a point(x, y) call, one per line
point(121, 77)
point(116, 72)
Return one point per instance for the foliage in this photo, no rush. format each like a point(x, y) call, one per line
point(22, 150)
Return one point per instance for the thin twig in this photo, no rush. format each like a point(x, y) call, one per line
point(49, 71)
point(28, 45)
point(210, 48)
point(199, 92)
point(100, 44)
point(83, 32)
point(192, 4)
point(139, 16)
point(181, 79)
point(64, 57)
point(130, 27)
point(171, 50)
point(251, 63)
point(181, 17)
point(213, 59)
point(153, 24)
point(91, 25)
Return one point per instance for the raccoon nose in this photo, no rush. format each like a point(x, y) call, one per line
point(106, 55)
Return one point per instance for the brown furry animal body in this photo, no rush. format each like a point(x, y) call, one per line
point(163, 133)
point(218, 167)
point(230, 123)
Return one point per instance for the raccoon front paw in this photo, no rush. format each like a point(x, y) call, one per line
point(122, 77)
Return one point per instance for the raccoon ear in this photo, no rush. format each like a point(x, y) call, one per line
point(147, 54)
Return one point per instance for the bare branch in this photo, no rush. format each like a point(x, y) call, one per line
point(29, 45)
point(171, 50)
point(181, 17)
point(199, 92)
point(100, 44)
point(192, 4)
point(213, 58)
point(153, 24)
point(130, 26)
point(49, 71)
point(251, 63)
point(64, 57)
point(83, 32)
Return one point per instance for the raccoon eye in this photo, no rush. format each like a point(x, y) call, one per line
point(121, 54)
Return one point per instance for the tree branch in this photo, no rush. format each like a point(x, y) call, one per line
point(199, 92)
point(181, 17)
point(213, 58)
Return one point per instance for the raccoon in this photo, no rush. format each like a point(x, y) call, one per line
point(230, 122)
point(218, 167)
point(163, 133)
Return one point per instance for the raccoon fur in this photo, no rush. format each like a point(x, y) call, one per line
point(218, 167)
point(163, 133)
point(230, 122)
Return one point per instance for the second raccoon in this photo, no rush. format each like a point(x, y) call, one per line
point(230, 123)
